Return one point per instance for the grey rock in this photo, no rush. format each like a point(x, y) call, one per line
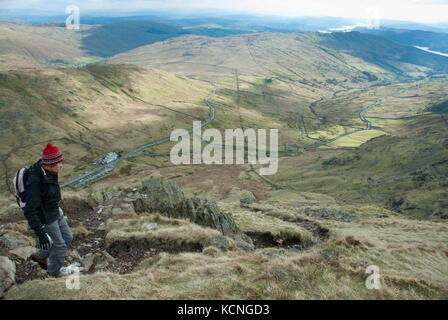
point(248, 200)
point(243, 242)
point(127, 207)
point(23, 252)
point(11, 242)
point(117, 211)
point(7, 274)
point(149, 226)
point(296, 248)
point(102, 226)
point(272, 252)
point(89, 261)
point(329, 254)
point(313, 241)
point(97, 261)
point(330, 213)
point(221, 242)
point(166, 198)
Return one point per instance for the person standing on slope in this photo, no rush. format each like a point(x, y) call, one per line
point(43, 213)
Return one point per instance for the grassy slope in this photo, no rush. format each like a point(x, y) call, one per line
point(384, 53)
point(90, 108)
point(411, 256)
point(52, 45)
point(109, 39)
point(27, 46)
point(306, 57)
point(405, 169)
point(433, 40)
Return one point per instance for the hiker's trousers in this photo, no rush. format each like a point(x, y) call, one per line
point(62, 236)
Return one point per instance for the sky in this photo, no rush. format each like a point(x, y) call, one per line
point(426, 11)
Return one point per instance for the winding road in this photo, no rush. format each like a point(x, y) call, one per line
point(322, 143)
point(102, 170)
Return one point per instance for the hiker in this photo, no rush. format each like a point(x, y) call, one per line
point(43, 213)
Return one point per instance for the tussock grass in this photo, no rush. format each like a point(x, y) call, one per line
point(169, 234)
point(411, 255)
point(280, 230)
point(79, 232)
point(229, 276)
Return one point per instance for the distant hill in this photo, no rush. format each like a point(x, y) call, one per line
point(436, 41)
point(346, 57)
point(384, 53)
point(52, 44)
point(11, 21)
point(440, 108)
point(109, 39)
point(34, 46)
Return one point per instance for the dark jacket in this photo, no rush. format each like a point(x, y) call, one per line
point(43, 195)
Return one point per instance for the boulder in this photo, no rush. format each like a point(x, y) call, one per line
point(165, 197)
point(329, 254)
point(330, 213)
point(117, 211)
point(90, 260)
point(7, 274)
point(248, 200)
point(101, 227)
point(127, 207)
point(23, 252)
point(97, 261)
point(12, 242)
point(221, 242)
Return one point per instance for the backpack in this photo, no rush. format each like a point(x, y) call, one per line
point(19, 183)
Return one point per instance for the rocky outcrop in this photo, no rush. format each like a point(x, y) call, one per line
point(164, 196)
point(7, 274)
point(23, 253)
point(98, 261)
point(11, 242)
point(330, 213)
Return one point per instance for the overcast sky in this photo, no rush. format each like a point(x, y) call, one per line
point(407, 10)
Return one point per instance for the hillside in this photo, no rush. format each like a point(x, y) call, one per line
point(392, 56)
point(88, 112)
point(30, 46)
point(342, 58)
point(51, 44)
point(294, 246)
point(110, 39)
point(435, 41)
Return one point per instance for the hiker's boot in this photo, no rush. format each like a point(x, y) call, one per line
point(41, 259)
point(56, 274)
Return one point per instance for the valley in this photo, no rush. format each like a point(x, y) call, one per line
point(361, 180)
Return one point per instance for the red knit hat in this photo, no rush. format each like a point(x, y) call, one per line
point(51, 155)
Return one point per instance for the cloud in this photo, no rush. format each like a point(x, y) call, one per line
point(409, 10)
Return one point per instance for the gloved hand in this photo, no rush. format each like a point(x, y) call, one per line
point(44, 240)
